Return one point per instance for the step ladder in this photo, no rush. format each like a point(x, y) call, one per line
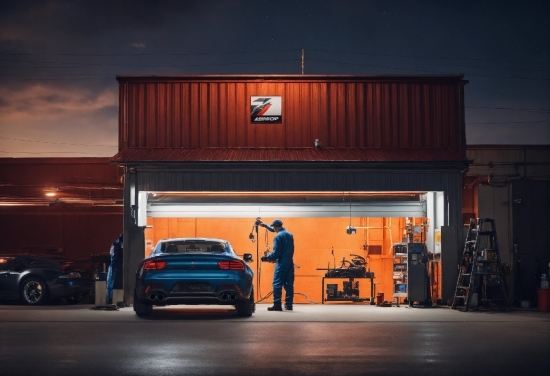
point(480, 269)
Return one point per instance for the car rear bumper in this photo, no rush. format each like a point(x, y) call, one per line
point(222, 293)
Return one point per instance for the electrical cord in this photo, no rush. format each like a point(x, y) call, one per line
point(305, 296)
point(296, 293)
point(265, 297)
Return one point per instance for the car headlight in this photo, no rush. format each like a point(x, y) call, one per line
point(70, 275)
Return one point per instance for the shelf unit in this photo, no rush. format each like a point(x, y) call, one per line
point(400, 272)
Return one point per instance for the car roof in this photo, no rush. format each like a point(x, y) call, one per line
point(28, 259)
point(194, 239)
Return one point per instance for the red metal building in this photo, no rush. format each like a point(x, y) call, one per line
point(379, 112)
point(70, 207)
point(187, 142)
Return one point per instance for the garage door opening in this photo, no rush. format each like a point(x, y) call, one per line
point(320, 223)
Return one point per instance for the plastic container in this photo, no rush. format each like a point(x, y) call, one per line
point(473, 301)
point(100, 293)
point(543, 281)
point(543, 300)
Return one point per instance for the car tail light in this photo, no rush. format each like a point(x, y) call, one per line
point(231, 265)
point(154, 265)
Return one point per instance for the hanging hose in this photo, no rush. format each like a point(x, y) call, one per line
point(265, 297)
point(266, 238)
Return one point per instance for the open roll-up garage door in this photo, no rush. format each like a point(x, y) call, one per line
point(318, 220)
point(393, 209)
point(289, 206)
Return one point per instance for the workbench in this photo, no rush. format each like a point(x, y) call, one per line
point(349, 299)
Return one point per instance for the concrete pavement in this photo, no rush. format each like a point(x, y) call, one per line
point(311, 340)
point(301, 313)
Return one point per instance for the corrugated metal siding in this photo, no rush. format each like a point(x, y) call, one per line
point(39, 171)
point(220, 180)
point(198, 112)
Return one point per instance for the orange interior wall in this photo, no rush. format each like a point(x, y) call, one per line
point(314, 239)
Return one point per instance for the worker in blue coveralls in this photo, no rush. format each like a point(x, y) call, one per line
point(283, 276)
point(114, 275)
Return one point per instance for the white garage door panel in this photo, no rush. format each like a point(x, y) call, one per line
point(389, 209)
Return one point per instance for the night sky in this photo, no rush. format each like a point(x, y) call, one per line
point(59, 59)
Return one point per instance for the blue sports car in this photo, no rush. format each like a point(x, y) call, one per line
point(194, 271)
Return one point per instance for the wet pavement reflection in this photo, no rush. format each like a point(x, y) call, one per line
point(216, 342)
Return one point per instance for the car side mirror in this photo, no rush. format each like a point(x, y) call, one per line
point(248, 257)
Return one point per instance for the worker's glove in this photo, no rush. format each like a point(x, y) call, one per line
point(264, 259)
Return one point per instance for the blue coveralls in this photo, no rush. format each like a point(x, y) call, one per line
point(115, 269)
point(283, 276)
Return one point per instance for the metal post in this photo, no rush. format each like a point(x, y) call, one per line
point(303, 60)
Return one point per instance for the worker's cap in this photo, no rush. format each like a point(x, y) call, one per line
point(277, 222)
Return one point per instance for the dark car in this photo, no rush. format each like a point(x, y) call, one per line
point(35, 279)
point(194, 271)
point(89, 269)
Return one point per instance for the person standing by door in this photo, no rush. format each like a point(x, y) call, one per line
point(283, 276)
point(114, 275)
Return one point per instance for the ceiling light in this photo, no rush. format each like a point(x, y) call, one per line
point(51, 191)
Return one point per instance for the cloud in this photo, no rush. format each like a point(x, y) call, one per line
point(48, 120)
point(45, 102)
point(43, 24)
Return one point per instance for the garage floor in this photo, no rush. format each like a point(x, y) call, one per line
point(311, 340)
point(302, 312)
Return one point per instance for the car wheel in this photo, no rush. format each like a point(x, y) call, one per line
point(33, 291)
point(141, 309)
point(247, 307)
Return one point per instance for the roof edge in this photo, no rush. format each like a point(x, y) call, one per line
point(294, 77)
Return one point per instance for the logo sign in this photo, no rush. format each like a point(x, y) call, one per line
point(266, 109)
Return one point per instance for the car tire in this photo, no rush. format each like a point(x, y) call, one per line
point(247, 307)
point(33, 291)
point(141, 309)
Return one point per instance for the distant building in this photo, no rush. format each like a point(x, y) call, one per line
point(69, 207)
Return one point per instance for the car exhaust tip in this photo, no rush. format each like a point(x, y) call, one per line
point(152, 296)
point(232, 297)
point(161, 297)
point(224, 297)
